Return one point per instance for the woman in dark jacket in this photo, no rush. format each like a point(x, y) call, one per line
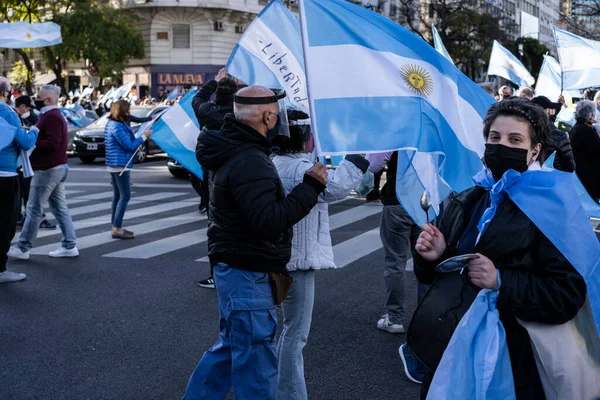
point(120, 144)
point(535, 281)
point(586, 148)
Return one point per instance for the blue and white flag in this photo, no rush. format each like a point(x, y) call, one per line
point(269, 54)
point(173, 95)
point(120, 92)
point(87, 92)
point(549, 82)
point(579, 60)
point(504, 64)
point(591, 208)
point(376, 87)
point(176, 133)
point(439, 45)
point(22, 35)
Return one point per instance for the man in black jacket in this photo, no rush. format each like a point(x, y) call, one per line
point(249, 236)
point(560, 143)
point(211, 115)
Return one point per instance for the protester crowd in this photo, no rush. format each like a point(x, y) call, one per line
point(268, 231)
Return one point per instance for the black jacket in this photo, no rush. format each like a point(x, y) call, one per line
point(388, 191)
point(586, 149)
point(251, 219)
point(564, 160)
point(31, 120)
point(209, 114)
point(537, 282)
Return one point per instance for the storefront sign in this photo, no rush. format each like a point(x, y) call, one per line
point(180, 79)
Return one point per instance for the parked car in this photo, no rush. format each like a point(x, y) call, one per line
point(176, 169)
point(88, 143)
point(74, 123)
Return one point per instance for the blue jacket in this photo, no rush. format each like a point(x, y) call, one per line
point(24, 140)
point(120, 143)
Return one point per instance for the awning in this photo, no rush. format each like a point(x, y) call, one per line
point(44, 79)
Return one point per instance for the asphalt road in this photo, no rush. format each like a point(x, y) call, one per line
point(126, 319)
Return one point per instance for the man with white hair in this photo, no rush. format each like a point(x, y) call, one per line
point(249, 246)
point(9, 180)
point(49, 163)
point(525, 92)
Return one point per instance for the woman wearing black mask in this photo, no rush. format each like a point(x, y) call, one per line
point(535, 281)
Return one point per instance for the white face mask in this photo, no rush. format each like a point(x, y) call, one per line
point(26, 115)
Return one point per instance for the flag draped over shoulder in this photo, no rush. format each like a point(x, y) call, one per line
point(22, 35)
point(504, 64)
point(176, 133)
point(439, 45)
point(579, 60)
point(376, 87)
point(269, 54)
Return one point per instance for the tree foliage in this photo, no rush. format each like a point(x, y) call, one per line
point(532, 55)
point(19, 74)
point(467, 33)
point(91, 30)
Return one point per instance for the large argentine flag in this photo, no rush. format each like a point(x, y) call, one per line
point(176, 133)
point(270, 54)
point(439, 45)
point(21, 35)
point(579, 59)
point(376, 87)
point(504, 64)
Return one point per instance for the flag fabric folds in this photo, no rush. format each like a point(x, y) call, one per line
point(504, 64)
point(376, 87)
point(590, 207)
point(22, 35)
point(269, 54)
point(176, 133)
point(579, 60)
point(549, 81)
point(173, 95)
point(439, 45)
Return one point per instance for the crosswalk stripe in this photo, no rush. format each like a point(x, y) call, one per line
point(107, 205)
point(140, 185)
point(68, 192)
point(162, 246)
point(595, 224)
point(344, 218)
point(90, 197)
point(359, 246)
point(101, 238)
point(129, 215)
point(352, 215)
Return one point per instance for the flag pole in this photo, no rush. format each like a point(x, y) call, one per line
point(136, 151)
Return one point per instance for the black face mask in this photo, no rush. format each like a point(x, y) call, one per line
point(39, 104)
point(499, 159)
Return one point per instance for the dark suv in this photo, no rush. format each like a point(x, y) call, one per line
point(88, 143)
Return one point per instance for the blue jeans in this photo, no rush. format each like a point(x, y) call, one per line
point(243, 356)
point(297, 316)
point(121, 196)
point(48, 186)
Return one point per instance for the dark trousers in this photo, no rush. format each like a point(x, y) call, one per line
point(9, 211)
point(24, 188)
point(201, 188)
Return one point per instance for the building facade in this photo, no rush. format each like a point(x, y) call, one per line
point(581, 17)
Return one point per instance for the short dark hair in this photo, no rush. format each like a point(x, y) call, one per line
point(226, 88)
point(526, 111)
point(23, 100)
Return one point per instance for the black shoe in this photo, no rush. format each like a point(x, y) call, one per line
point(208, 283)
point(47, 225)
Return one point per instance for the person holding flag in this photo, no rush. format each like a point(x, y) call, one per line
point(520, 230)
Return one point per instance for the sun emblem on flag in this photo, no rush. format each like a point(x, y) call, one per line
point(28, 35)
point(418, 79)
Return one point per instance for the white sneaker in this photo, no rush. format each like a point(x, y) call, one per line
point(385, 325)
point(16, 252)
point(62, 252)
point(10, 276)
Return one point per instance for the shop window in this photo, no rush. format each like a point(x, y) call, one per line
point(181, 36)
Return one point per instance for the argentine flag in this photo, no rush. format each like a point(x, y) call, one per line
point(376, 87)
point(439, 45)
point(22, 35)
point(504, 64)
point(176, 133)
point(549, 81)
point(579, 59)
point(269, 54)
